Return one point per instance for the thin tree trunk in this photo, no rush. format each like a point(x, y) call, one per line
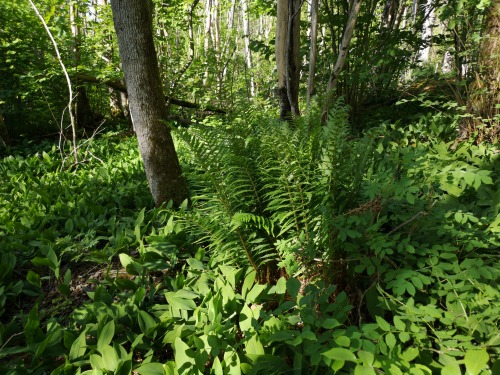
point(133, 25)
point(288, 56)
point(83, 111)
point(246, 36)
point(208, 32)
point(68, 81)
point(484, 92)
point(312, 50)
point(343, 51)
point(4, 133)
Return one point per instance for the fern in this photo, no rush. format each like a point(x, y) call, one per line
point(265, 190)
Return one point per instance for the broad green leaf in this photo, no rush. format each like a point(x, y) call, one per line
point(232, 363)
point(179, 301)
point(330, 323)
point(390, 340)
point(106, 335)
point(32, 329)
point(246, 319)
point(146, 323)
point(254, 293)
point(196, 264)
point(410, 354)
point(281, 286)
point(476, 360)
point(366, 357)
point(293, 287)
point(382, 323)
point(109, 358)
point(217, 367)
point(364, 370)
point(451, 370)
point(79, 346)
point(399, 324)
point(183, 360)
point(152, 368)
point(248, 283)
point(254, 346)
point(96, 362)
point(343, 341)
point(340, 354)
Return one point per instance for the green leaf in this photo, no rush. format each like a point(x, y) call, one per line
point(340, 354)
point(281, 286)
point(183, 360)
point(390, 340)
point(343, 341)
point(330, 323)
point(382, 323)
point(247, 283)
point(366, 357)
point(364, 370)
point(293, 287)
point(106, 335)
point(254, 346)
point(79, 346)
point(146, 323)
point(254, 293)
point(109, 358)
point(217, 367)
point(410, 354)
point(152, 368)
point(399, 324)
point(476, 360)
point(130, 265)
point(451, 370)
point(96, 362)
point(179, 301)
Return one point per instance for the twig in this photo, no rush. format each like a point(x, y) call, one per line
point(10, 338)
point(415, 217)
point(70, 89)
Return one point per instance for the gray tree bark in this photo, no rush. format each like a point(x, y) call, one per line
point(288, 56)
point(133, 25)
point(312, 50)
point(246, 37)
point(342, 56)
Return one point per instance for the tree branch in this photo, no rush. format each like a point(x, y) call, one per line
point(121, 87)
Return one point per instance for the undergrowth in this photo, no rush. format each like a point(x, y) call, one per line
point(305, 250)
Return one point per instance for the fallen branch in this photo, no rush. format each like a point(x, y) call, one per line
point(121, 87)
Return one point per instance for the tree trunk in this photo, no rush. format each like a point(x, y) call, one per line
point(83, 111)
point(484, 92)
point(341, 58)
point(133, 25)
point(246, 36)
point(288, 56)
point(208, 32)
point(312, 50)
point(4, 134)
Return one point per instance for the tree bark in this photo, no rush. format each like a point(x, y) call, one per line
point(484, 92)
point(246, 36)
point(288, 56)
point(342, 56)
point(4, 133)
point(133, 25)
point(312, 50)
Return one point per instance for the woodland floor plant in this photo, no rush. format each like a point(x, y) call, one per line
point(305, 250)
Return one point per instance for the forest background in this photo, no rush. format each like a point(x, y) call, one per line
point(335, 202)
